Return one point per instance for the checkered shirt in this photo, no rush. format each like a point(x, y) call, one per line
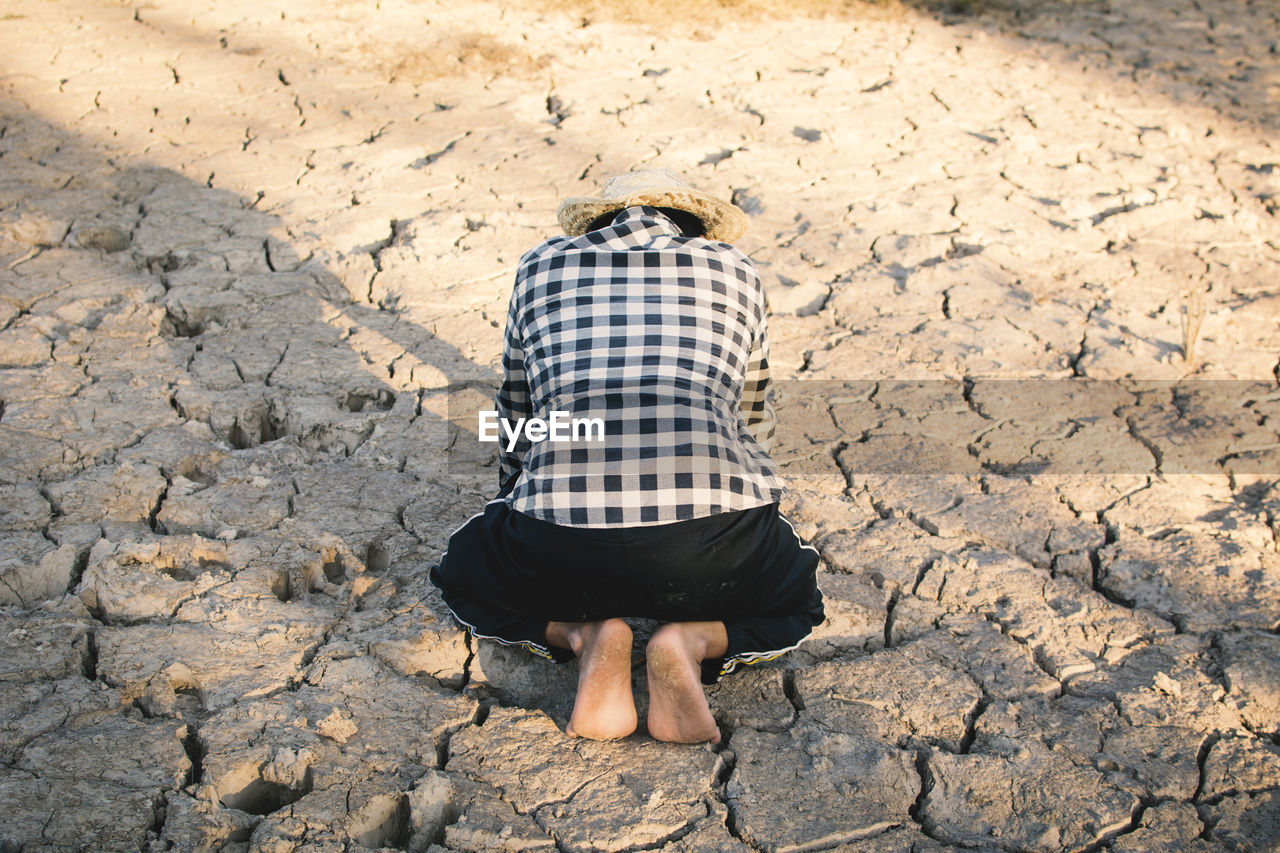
point(660, 336)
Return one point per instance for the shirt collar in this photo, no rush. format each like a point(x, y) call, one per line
point(635, 226)
point(650, 216)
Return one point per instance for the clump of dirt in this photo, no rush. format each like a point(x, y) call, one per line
point(458, 53)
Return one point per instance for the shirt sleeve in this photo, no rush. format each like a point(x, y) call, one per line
point(756, 407)
point(513, 400)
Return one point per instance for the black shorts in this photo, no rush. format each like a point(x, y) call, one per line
point(506, 574)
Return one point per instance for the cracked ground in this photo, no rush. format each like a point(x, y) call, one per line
point(1022, 268)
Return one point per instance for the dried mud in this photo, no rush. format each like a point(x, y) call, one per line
point(254, 261)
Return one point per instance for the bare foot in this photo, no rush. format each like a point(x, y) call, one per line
point(678, 710)
point(604, 708)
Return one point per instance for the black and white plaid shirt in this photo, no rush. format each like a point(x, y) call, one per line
point(660, 336)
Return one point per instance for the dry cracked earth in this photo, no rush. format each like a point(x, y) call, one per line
point(254, 258)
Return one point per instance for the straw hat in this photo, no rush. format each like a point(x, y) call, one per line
point(723, 221)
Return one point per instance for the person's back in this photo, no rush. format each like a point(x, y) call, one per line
point(658, 336)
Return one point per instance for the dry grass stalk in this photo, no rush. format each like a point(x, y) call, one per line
point(1192, 317)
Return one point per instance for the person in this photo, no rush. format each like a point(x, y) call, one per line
point(642, 319)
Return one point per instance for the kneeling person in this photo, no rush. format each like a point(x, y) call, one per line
point(642, 318)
